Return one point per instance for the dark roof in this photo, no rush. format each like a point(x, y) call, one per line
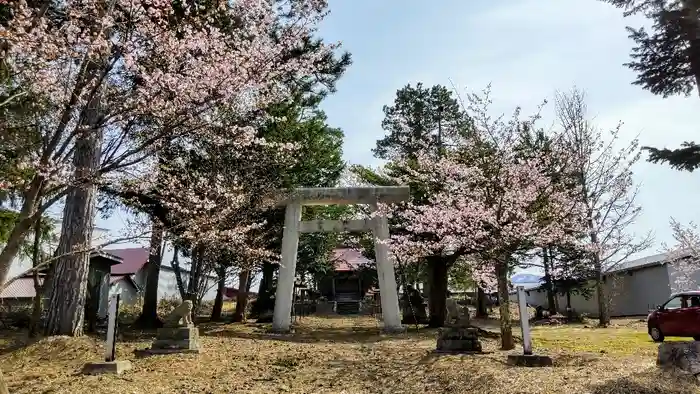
point(649, 261)
point(347, 259)
point(641, 263)
point(95, 255)
point(133, 259)
point(112, 258)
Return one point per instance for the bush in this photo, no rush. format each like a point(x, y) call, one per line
point(206, 307)
point(18, 317)
point(166, 305)
point(128, 313)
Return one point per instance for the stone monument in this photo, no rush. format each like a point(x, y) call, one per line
point(683, 356)
point(458, 336)
point(178, 335)
point(111, 365)
point(527, 359)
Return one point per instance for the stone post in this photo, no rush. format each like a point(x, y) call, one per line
point(385, 274)
point(527, 359)
point(524, 321)
point(110, 344)
point(282, 317)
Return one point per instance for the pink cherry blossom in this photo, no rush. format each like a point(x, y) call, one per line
point(156, 81)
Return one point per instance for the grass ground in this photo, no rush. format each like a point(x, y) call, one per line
point(345, 355)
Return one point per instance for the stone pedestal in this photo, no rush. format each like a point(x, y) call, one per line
point(683, 356)
point(108, 367)
point(529, 360)
point(458, 340)
point(176, 340)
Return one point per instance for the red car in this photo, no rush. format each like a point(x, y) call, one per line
point(677, 317)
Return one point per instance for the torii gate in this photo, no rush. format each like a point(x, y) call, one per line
point(378, 225)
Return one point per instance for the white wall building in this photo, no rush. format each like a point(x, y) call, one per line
point(129, 277)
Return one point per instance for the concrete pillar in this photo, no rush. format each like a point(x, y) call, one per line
point(282, 316)
point(385, 274)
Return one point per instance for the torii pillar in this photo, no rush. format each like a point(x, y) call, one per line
point(378, 225)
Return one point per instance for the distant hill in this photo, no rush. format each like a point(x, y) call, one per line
point(525, 278)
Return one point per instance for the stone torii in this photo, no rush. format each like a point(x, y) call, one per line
point(378, 225)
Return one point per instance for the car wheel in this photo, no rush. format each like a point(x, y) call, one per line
point(656, 334)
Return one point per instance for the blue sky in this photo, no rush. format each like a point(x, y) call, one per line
point(526, 49)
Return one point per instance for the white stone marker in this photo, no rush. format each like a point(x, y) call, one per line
point(524, 321)
point(111, 343)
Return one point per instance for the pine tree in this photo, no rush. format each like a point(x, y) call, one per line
point(667, 59)
point(421, 119)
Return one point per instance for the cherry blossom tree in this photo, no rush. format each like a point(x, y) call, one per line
point(487, 201)
point(120, 79)
point(684, 256)
point(607, 191)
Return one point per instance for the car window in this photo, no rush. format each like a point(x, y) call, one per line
point(674, 303)
point(694, 301)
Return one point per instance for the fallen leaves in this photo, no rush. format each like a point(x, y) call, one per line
point(343, 355)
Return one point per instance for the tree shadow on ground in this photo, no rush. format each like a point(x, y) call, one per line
point(397, 375)
point(574, 360)
point(13, 340)
point(131, 335)
point(308, 335)
point(649, 383)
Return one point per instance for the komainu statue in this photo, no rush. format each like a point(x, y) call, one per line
point(457, 316)
point(180, 316)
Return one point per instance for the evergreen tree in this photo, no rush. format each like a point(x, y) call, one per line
point(667, 60)
point(420, 120)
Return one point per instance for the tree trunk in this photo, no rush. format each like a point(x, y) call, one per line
point(219, 300)
point(149, 311)
point(264, 302)
point(242, 296)
point(178, 273)
point(67, 302)
point(194, 287)
point(507, 342)
point(690, 8)
point(249, 284)
point(36, 310)
point(20, 230)
point(38, 291)
point(549, 283)
point(603, 312)
point(481, 310)
point(438, 291)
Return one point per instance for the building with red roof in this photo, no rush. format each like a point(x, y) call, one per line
point(129, 277)
point(351, 280)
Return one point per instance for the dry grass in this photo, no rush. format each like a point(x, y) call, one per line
point(345, 355)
